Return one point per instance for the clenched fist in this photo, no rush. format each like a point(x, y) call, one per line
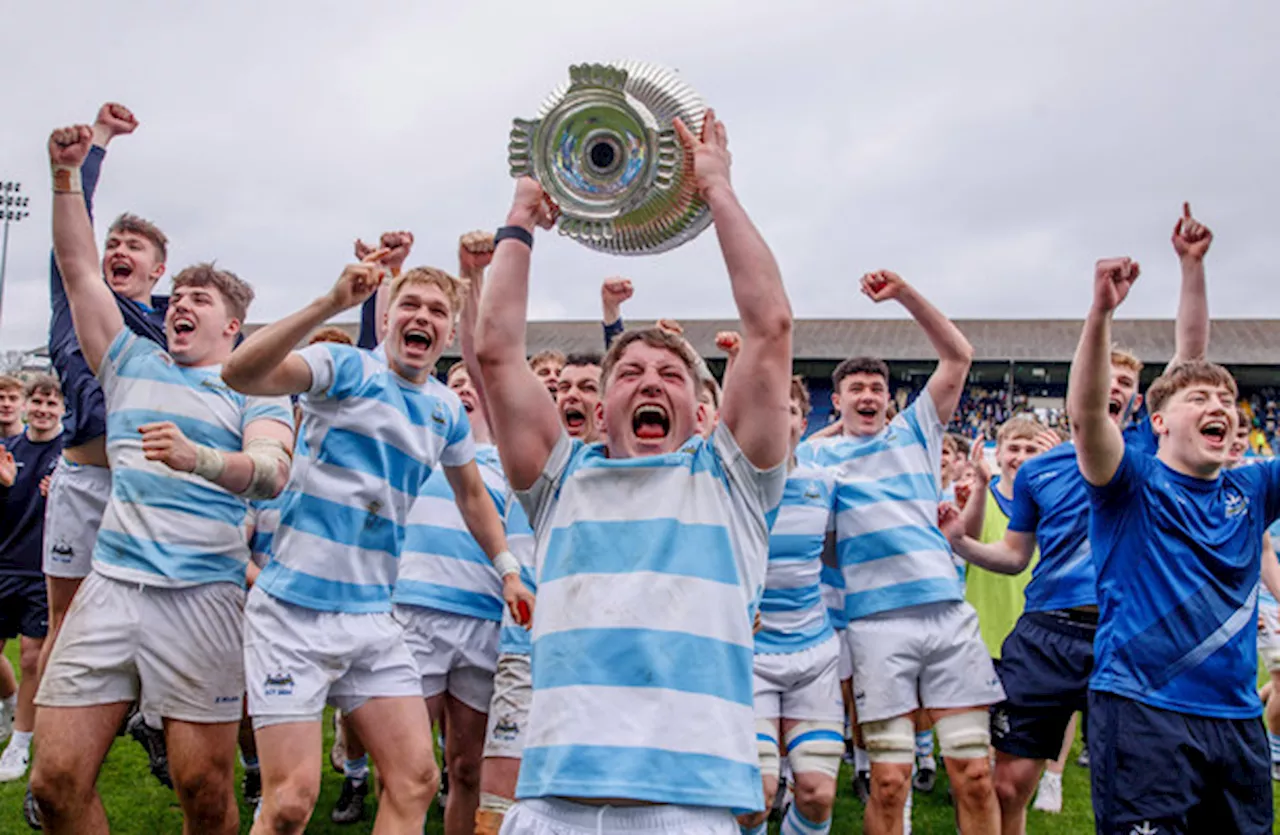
point(164, 442)
point(475, 252)
point(397, 245)
point(115, 120)
point(69, 146)
point(730, 342)
point(359, 281)
point(882, 285)
point(1112, 280)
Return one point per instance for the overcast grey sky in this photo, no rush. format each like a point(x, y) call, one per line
point(988, 151)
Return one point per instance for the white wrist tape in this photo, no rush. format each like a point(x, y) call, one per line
point(506, 564)
point(210, 462)
point(267, 454)
point(66, 179)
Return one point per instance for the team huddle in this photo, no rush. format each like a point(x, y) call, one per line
point(642, 603)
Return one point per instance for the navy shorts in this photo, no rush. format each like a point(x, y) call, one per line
point(1044, 666)
point(1173, 773)
point(24, 607)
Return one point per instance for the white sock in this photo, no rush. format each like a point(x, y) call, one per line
point(21, 739)
point(860, 760)
point(1050, 777)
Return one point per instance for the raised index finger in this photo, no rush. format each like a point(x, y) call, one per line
point(1186, 210)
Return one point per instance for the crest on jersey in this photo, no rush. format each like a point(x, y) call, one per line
point(1236, 502)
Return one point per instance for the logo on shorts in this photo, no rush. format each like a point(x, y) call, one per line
point(61, 552)
point(278, 684)
point(506, 729)
point(859, 696)
point(226, 700)
point(1144, 828)
point(1000, 724)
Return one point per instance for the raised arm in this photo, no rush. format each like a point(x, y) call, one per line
point(955, 354)
point(94, 313)
point(1099, 444)
point(475, 253)
point(1191, 240)
point(974, 512)
point(485, 523)
point(524, 420)
point(756, 402)
point(265, 364)
point(731, 343)
point(259, 471)
point(613, 292)
point(373, 312)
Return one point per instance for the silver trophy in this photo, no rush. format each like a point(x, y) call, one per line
point(604, 149)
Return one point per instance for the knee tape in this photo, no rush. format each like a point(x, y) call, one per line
point(964, 736)
point(890, 740)
point(767, 747)
point(815, 747)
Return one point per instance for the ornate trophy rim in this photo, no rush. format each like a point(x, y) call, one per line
point(652, 207)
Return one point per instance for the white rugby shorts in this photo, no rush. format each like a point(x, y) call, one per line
point(845, 669)
point(73, 512)
point(546, 816)
point(296, 659)
point(799, 685)
point(509, 708)
point(928, 656)
point(454, 653)
point(176, 651)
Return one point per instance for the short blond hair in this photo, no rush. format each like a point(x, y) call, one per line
point(454, 288)
point(1024, 427)
point(8, 382)
point(548, 356)
point(1126, 359)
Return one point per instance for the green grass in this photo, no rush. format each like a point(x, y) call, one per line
point(138, 805)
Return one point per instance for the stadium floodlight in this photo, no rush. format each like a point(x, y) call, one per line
point(13, 208)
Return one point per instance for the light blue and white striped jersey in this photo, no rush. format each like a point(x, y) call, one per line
point(369, 441)
point(793, 612)
point(515, 639)
point(442, 567)
point(163, 527)
point(648, 571)
point(266, 521)
point(890, 549)
point(833, 596)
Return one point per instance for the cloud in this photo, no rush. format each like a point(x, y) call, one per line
point(988, 151)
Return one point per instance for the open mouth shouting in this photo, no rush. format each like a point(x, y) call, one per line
point(651, 422)
point(1215, 431)
point(417, 343)
point(119, 270)
point(183, 325)
point(1115, 407)
point(575, 420)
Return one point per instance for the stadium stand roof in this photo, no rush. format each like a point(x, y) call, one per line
point(1233, 341)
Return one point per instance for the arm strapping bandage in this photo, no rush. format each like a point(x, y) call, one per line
point(267, 454)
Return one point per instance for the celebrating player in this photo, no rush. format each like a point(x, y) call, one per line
point(651, 549)
point(159, 618)
point(318, 621)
